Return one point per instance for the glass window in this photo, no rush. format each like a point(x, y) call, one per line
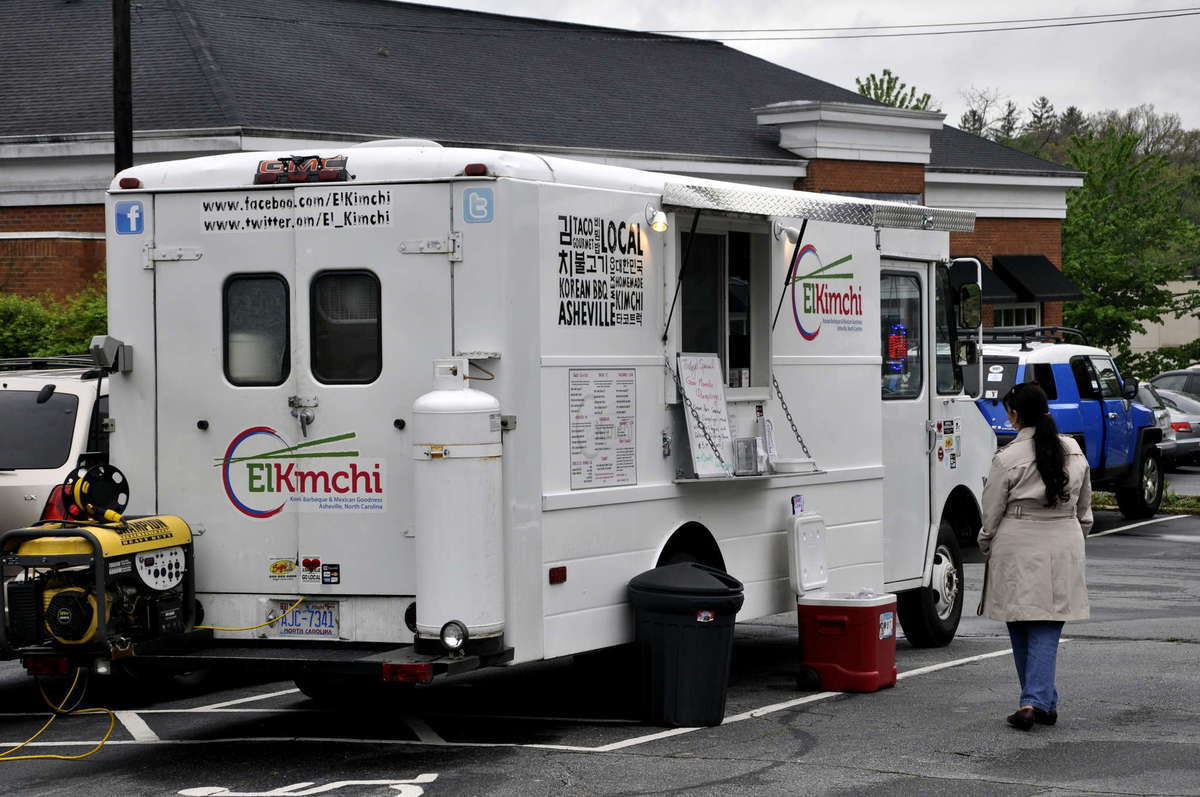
point(900, 306)
point(1110, 380)
point(1085, 378)
point(949, 372)
point(1170, 382)
point(1016, 315)
point(345, 327)
point(32, 435)
point(999, 374)
point(1148, 396)
point(256, 338)
point(717, 303)
point(1043, 374)
point(97, 437)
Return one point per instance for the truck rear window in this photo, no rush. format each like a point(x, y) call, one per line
point(999, 375)
point(35, 436)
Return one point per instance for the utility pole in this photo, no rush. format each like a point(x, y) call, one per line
point(122, 88)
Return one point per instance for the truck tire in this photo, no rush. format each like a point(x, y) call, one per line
point(1143, 500)
point(930, 615)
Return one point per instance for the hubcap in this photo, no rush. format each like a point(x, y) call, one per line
point(1150, 480)
point(945, 582)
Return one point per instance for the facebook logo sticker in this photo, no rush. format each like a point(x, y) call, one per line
point(477, 205)
point(130, 218)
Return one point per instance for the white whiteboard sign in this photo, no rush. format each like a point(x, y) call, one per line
point(603, 407)
point(703, 383)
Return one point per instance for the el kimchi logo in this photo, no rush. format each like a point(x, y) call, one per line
point(820, 297)
point(263, 475)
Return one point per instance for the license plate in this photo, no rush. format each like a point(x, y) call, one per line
point(311, 619)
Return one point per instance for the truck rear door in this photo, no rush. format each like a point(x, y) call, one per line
point(223, 313)
point(373, 310)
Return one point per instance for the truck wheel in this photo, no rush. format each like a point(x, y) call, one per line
point(930, 615)
point(1142, 501)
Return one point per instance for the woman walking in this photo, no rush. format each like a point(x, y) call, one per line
point(1037, 510)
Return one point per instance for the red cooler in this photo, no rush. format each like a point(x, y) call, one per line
point(849, 639)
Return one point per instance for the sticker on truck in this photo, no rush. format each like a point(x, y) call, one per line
point(264, 475)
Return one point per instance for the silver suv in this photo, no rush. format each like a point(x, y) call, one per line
point(51, 413)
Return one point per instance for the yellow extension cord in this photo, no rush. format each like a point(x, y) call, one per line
point(7, 755)
point(290, 609)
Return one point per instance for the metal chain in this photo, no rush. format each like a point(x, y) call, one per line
point(696, 417)
point(788, 413)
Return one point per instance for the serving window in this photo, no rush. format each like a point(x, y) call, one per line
point(724, 302)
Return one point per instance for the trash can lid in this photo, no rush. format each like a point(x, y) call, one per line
point(689, 578)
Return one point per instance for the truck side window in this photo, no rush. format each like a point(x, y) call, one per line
point(900, 305)
point(1085, 378)
point(1110, 382)
point(1043, 374)
point(721, 306)
point(256, 324)
point(949, 372)
point(345, 327)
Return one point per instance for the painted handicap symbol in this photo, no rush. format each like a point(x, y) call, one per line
point(409, 787)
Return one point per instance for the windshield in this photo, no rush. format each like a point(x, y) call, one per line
point(1148, 397)
point(1181, 402)
point(999, 374)
point(35, 436)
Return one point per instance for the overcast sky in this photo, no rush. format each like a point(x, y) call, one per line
point(1094, 67)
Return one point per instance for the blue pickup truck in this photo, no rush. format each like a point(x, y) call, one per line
point(1089, 401)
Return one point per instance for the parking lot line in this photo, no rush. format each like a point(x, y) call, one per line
point(136, 726)
point(1135, 525)
point(428, 737)
point(250, 699)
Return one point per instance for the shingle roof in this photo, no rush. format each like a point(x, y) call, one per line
point(395, 69)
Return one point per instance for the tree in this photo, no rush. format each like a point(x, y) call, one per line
point(1124, 238)
point(1072, 122)
point(973, 122)
point(982, 111)
point(1041, 116)
point(1006, 126)
point(889, 90)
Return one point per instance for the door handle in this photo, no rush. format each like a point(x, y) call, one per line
point(305, 416)
point(1112, 416)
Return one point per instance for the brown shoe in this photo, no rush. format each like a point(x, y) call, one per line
point(1044, 717)
point(1022, 718)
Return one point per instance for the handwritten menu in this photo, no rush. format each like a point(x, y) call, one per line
point(603, 405)
point(704, 384)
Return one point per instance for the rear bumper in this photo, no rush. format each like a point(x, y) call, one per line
point(288, 659)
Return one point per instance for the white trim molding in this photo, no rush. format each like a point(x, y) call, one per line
point(1011, 195)
point(61, 236)
point(852, 131)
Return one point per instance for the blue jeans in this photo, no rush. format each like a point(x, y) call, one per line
point(1035, 652)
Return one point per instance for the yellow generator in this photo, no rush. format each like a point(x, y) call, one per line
point(96, 587)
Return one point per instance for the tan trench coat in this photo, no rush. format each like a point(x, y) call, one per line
point(1034, 552)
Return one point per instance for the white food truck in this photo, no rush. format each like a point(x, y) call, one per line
point(459, 397)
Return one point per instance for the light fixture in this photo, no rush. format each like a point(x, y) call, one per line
point(656, 219)
point(454, 636)
point(779, 231)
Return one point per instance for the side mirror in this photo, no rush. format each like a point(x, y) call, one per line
point(966, 352)
point(1130, 388)
point(970, 306)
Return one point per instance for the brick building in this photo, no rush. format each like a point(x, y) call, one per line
point(218, 76)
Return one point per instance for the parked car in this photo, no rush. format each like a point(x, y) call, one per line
point(1089, 400)
point(1182, 380)
point(52, 412)
point(1185, 422)
point(1148, 397)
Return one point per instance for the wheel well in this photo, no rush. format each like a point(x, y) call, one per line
point(962, 513)
point(692, 540)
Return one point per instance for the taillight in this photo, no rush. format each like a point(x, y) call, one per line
point(417, 672)
point(1182, 426)
point(59, 505)
point(475, 170)
point(130, 182)
point(50, 665)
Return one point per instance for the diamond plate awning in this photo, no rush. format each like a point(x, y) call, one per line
point(818, 207)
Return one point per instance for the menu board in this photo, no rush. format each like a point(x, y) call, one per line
point(703, 382)
point(603, 406)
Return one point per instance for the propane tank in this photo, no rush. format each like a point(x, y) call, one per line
point(456, 507)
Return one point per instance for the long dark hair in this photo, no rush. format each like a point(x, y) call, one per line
point(1029, 402)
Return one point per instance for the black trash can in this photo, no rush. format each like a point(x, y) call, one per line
point(685, 617)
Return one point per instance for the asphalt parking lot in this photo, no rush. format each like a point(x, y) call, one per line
point(1129, 679)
